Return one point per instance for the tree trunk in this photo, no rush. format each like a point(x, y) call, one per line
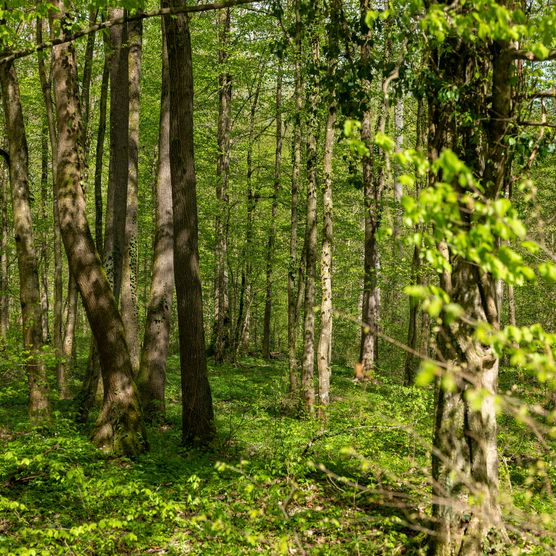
point(325, 340)
point(243, 325)
point(313, 99)
point(465, 459)
point(152, 372)
point(130, 268)
point(46, 83)
point(293, 313)
point(270, 246)
point(116, 206)
point(4, 271)
point(197, 414)
point(89, 388)
point(221, 302)
point(29, 292)
point(43, 257)
point(119, 428)
point(398, 189)
point(374, 182)
point(411, 359)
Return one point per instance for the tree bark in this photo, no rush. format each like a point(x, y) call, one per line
point(324, 352)
point(119, 428)
point(29, 291)
point(197, 411)
point(270, 246)
point(89, 388)
point(313, 99)
point(130, 268)
point(465, 459)
point(368, 352)
point(243, 325)
point(46, 85)
point(221, 302)
point(293, 312)
point(43, 256)
point(4, 270)
point(152, 372)
point(116, 206)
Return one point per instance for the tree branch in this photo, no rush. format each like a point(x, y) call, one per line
point(522, 54)
point(11, 56)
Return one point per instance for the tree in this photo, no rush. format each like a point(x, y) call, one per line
point(29, 290)
point(119, 428)
point(465, 455)
point(152, 372)
point(197, 411)
point(222, 321)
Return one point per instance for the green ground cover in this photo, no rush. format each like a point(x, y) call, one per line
point(273, 483)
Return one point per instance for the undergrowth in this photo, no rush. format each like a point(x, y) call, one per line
point(274, 482)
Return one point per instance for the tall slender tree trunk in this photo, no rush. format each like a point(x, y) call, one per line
point(313, 99)
point(119, 428)
point(197, 411)
point(293, 312)
point(221, 302)
point(325, 340)
point(371, 293)
point(130, 262)
point(243, 325)
point(46, 83)
point(43, 257)
point(374, 183)
point(270, 246)
point(91, 382)
point(398, 189)
point(4, 270)
point(116, 206)
point(29, 291)
point(411, 359)
point(152, 372)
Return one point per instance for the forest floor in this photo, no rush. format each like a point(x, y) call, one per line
point(272, 483)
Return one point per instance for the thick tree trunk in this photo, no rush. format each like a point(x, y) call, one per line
point(197, 411)
point(29, 292)
point(152, 372)
point(293, 312)
point(116, 206)
point(119, 428)
point(222, 321)
point(270, 246)
point(465, 458)
point(130, 268)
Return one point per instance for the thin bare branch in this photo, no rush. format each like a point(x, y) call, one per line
point(107, 24)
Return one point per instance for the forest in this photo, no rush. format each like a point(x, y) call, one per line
point(275, 277)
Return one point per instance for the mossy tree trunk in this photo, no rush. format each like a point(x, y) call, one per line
point(29, 287)
point(119, 428)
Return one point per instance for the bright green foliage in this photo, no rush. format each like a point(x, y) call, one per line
point(271, 484)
